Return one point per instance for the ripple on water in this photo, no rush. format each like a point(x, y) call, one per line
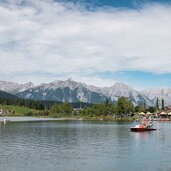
point(82, 146)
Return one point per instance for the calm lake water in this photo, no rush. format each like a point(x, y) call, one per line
point(83, 146)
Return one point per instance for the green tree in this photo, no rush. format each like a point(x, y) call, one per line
point(140, 108)
point(63, 109)
point(145, 107)
point(103, 109)
point(124, 106)
point(157, 103)
point(163, 107)
point(136, 109)
point(151, 109)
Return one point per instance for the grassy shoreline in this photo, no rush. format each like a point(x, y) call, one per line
point(27, 112)
point(77, 118)
point(19, 111)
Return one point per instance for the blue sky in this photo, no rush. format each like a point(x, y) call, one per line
point(98, 42)
point(140, 80)
point(128, 4)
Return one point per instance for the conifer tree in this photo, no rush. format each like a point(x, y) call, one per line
point(163, 104)
point(157, 103)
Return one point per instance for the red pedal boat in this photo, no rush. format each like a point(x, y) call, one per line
point(143, 127)
point(133, 129)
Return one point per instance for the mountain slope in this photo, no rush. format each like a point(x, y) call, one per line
point(161, 93)
point(72, 91)
point(69, 91)
point(13, 88)
point(120, 89)
point(6, 95)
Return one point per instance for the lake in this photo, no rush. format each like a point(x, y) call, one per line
point(83, 146)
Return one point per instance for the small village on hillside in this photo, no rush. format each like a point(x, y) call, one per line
point(6, 112)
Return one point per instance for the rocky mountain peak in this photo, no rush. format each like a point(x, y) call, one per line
point(70, 90)
point(121, 86)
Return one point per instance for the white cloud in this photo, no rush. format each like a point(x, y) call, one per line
point(62, 39)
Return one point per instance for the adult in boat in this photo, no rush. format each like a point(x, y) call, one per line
point(144, 125)
point(139, 126)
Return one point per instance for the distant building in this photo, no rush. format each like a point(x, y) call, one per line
point(6, 112)
point(168, 107)
point(77, 110)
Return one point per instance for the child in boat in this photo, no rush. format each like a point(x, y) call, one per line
point(147, 124)
point(139, 126)
point(144, 124)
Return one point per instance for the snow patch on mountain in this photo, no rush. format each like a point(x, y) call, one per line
point(160, 93)
point(13, 88)
point(72, 91)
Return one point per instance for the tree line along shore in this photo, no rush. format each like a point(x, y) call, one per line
point(123, 109)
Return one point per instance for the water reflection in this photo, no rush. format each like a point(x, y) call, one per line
point(85, 146)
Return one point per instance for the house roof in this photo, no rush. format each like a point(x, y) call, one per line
point(169, 107)
point(141, 113)
point(148, 113)
point(163, 113)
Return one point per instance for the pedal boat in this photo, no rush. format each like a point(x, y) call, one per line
point(140, 128)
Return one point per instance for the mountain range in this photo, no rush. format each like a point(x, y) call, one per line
point(6, 95)
point(72, 91)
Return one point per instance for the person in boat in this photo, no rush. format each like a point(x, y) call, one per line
point(144, 125)
point(139, 126)
point(148, 124)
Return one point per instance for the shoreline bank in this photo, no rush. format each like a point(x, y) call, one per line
point(25, 118)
